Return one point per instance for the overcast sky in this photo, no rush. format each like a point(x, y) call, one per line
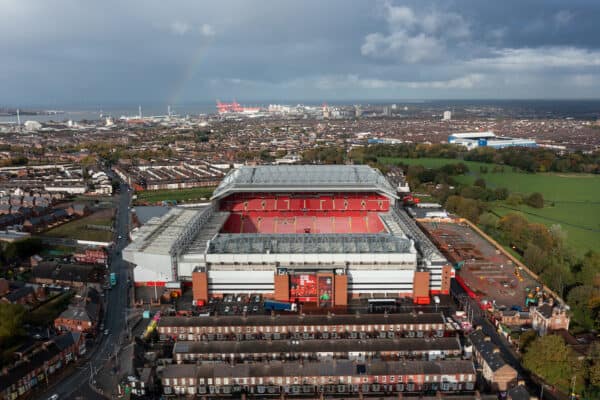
point(89, 52)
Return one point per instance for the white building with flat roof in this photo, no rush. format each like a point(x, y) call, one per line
point(472, 140)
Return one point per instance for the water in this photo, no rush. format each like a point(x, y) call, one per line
point(95, 113)
point(578, 109)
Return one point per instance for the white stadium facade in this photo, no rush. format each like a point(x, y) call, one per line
point(310, 233)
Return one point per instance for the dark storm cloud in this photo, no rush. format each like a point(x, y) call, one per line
point(72, 52)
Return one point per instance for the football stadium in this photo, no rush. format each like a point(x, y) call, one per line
point(321, 234)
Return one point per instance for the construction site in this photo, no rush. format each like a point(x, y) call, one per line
point(484, 270)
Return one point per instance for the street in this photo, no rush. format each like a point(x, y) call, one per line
point(77, 384)
point(478, 317)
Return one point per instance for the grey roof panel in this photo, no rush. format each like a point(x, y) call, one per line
point(257, 243)
point(304, 178)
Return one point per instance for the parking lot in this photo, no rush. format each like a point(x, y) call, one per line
point(235, 305)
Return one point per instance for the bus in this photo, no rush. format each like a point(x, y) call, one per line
point(383, 305)
point(113, 279)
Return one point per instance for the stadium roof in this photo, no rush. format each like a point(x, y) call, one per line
point(307, 243)
point(160, 235)
point(290, 178)
point(314, 346)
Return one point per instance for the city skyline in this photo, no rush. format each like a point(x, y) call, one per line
point(72, 53)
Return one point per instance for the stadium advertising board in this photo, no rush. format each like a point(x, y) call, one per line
point(325, 287)
point(303, 287)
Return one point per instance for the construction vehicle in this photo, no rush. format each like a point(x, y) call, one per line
point(531, 299)
point(410, 200)
point(518, 274)
point(271, 305)
point(151, 326)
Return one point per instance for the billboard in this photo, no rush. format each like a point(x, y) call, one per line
point(325, 290)
point(303, 287)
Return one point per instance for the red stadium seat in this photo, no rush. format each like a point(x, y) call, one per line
point(296, 204)
point(313, 204)
point(304, 213)
point(270, 204)
point(326, 203)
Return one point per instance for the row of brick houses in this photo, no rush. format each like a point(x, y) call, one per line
point(36, 365)
point(36, 218)
point(26, 201)
point(92, 256)
point(316, 350)
point(25, 294)
point(302, 326)
point(73, 275)
point(497, 373)
point(83, 316)
point(170, 176)
point(342, 377)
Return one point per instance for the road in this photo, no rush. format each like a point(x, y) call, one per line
point(77, 385)
point(479, 318)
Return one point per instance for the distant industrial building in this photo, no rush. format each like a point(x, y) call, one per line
point(472, 140)
point(447, 116)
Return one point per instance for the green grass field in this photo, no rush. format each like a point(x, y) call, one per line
point(78, 229)
point(178, 195)
point(435, 162)
point(572, 201)
point(575, 197)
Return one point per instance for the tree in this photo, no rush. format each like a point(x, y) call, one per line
point(579, 299)
point(557, 275)
point(535, 200)
point(515, 229)
point(11, 319)
point(550, 358)
point(201, 136)
point(24, 248)
point(535, 258)
point(501, 193)
point(467, 208)
point(540, 235)
point(526, 339)
point(489, 221)
point(480, 182)
point(590, 268)
point(514, 199)
point(594, 369)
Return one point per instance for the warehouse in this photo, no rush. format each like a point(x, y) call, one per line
point(472, 140)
